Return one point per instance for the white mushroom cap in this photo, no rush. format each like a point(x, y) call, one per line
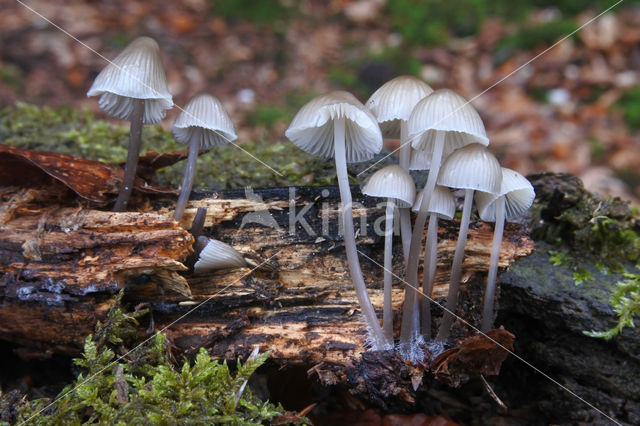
point(136, 73)
point(218, 255)
point(392, 182)
point(312, 127)
point(442, 203)
point(471, 167)
point(205, 120)
point(518, 196)
point(446, 111)
point(394, 101)
point(420, 160)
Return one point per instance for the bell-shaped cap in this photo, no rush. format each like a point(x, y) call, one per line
point(136, 73)
point(392, 182)
point(205, 121)
point(445, 110)
point(218, 255)
point(394, 101)
point(312, 127)
point(471, 167)
point(518, 196)
point(442, 203)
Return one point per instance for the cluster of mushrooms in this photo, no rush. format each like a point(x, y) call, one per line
point(439, 131)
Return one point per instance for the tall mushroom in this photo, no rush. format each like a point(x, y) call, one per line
point(439, 124)
point(392, 104)
point(395, 184)
point(202, 124)
point(472, 168)
point(337, 125)
point(442, 204)
point(515, 197)
point(133, 87)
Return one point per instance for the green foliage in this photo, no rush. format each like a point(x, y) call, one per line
point(629, 103)
point(626, 302)
point(142, 386)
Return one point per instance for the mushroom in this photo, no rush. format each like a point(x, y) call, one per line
point(394, 183)
point(442, 204)
point(392, 104)
point(217, 255)
point(133, 87)
point(337, 125)
point(439, 124)
point(472, 168)
point(202, 124)
point(515, 197)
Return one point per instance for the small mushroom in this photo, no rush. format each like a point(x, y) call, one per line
point(392, 104)
point(133, 87)
point(202, 124)
point(472, 168)
point(515, 197)
point(217, 255)
point(337, 125)
point(440, 123)
point(442, 204)
point(395, 184)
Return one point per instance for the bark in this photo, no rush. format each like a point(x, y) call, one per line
point(61, 264)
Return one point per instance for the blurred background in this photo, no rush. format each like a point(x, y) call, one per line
point(574, 109)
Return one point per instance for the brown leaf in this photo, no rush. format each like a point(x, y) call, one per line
point(92, 180)
point(475, 355)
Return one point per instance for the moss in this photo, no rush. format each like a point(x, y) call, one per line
point(590, 234)
point(80, 134)
point(143, 386)
point(74, 132)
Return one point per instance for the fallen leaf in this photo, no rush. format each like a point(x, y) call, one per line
point(474, 356)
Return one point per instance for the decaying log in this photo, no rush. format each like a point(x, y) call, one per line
point(61, 264)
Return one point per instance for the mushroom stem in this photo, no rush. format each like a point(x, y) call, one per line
point(187, 181)
point(135, 136)
point(387, 313)
point(430, 258)
point(456, 269)
point(408, 321)
point(378, 341)
point(405, 213)
point(487, 312)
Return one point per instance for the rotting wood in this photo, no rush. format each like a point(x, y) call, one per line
point(60, 264)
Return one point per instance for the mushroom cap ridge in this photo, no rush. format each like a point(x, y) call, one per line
point(312, 127)
point(205, 119)
point(394, 101)
point(445, 110)
point(136, 73)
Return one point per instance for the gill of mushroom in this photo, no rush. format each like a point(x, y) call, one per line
point(442, 205)
point(396, 185)
point(392, 104)
point(515, 197)
point(217, 255)
point(133, 87)
point(337, 125)
point(472, 168)
point(202, 124)
point(439, 124)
